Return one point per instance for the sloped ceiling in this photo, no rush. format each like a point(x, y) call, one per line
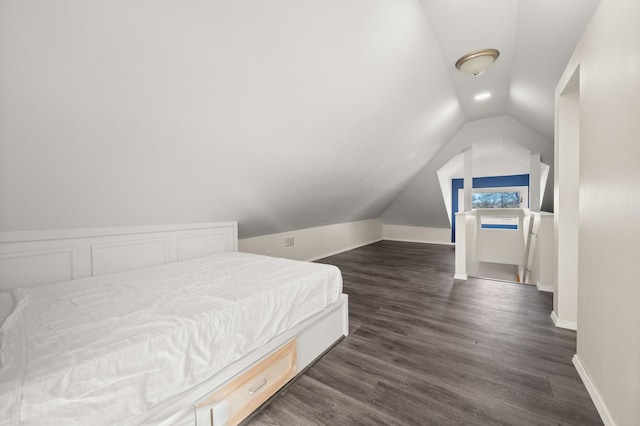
point(282, 115)
point(535, 39)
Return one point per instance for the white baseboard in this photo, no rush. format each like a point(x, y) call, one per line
point(461, 277)
point(605, 415)
point(417, 234)
point(407, 240)
point(569, 325)
point(543, 287)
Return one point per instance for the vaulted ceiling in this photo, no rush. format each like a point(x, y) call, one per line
point(282, 115)
point(535, 39)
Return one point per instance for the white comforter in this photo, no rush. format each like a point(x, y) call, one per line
point(103, 350)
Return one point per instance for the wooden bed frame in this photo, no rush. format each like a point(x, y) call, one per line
point(31, 258)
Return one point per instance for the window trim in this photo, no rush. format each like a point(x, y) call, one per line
point(484, 182)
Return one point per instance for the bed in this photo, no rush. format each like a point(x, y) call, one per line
point(155, 325)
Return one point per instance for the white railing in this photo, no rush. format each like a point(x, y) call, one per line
point(502, 236)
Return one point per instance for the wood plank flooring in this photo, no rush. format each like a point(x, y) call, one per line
point(424, 350)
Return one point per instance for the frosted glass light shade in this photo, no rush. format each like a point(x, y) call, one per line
point(477, 62)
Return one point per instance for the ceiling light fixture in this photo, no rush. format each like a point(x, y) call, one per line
point(477, 62)
point(482, 96)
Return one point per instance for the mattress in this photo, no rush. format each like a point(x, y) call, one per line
point(103, 350)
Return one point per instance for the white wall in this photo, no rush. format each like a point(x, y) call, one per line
point(499, 245)
point(284, 114)
point(421, 203)
point(315, 243)
point(609, 229)
point(416, 234)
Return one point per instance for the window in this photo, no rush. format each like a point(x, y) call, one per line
point(496, 200)
point(490, 184)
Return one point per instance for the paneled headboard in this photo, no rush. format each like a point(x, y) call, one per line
point(29, 258)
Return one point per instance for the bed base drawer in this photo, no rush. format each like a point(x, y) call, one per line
point(234, 401)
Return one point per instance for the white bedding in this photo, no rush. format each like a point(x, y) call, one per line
point(103, 350)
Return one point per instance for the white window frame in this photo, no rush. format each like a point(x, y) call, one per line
point(523, 190)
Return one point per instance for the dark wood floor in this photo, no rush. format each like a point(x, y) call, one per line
point(425, 350)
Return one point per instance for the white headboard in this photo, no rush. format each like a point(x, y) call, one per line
point(30, 258)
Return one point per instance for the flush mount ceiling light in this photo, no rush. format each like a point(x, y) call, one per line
point(482, 96)
point(477, 62)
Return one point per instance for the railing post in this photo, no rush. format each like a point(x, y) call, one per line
point(461, 247)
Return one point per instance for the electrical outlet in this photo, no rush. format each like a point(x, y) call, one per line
point(289, 241)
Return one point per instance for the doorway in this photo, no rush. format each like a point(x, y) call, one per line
point(567, 203)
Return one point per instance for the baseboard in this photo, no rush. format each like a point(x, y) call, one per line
point(546, 288)
point(461, 277)
point(605, 415)
point(569, 325)
point(406, 240)
point(342, 250)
